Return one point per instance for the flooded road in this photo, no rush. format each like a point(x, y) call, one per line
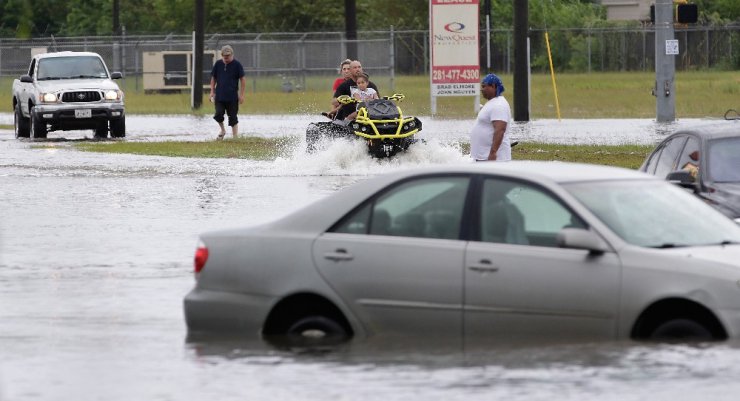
point(96, 256)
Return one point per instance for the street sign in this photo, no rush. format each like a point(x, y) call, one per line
point(671, 47)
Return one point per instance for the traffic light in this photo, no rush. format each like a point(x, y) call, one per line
point(687, 13)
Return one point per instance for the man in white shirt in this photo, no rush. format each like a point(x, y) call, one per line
point(489, 138)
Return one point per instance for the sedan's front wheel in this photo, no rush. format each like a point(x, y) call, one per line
point(681, 330)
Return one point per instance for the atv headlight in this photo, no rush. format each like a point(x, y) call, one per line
point(355, 126)
point(112, 95)
point(412, 124)
point(364, 129)
point(406, 127)
point(49, 97)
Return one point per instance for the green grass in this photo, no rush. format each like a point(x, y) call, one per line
point(628, 156)
point(596, 95)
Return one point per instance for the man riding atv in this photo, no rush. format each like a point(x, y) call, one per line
point(380, 123)
point(341, 111)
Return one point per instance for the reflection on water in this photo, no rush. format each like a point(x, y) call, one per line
point(96, 256)
point(612, 371)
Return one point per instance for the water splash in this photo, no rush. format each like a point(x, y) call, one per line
point(350, 157)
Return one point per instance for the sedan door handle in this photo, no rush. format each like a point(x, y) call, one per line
point(338, 255)
point(484, 266)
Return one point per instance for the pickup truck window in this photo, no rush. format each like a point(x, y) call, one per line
point(32, 67)
point(71, 67)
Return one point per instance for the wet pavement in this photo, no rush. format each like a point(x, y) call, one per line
point(96, 255)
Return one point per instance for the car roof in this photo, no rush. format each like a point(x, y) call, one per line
point(555, 171)
point(66, 54)
point(714, 130)
point(321, 214)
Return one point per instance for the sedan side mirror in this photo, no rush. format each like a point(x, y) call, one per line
point(579, 238)
point(682, 178)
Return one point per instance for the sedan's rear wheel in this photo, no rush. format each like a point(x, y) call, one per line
point(317, 327)
point(309, 332)
point(681, 330)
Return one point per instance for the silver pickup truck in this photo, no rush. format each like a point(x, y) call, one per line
point(68, 91)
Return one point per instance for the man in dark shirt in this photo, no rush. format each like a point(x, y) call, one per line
point(226, 92)
point(346, 89)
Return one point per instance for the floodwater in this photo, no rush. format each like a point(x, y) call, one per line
point(96, 256)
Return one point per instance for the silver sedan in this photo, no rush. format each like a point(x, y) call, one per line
point(481, 252)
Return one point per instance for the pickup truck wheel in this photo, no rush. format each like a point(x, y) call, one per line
point(118, 128)
point(22, 125)
point(38, 128)
point(101, 131)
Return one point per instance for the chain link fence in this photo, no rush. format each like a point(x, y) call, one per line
point(287, 61)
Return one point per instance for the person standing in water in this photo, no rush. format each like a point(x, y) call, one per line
point(227, 90)
point(489, 138)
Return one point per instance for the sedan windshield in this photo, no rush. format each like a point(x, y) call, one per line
point(655, 214)
point(71, 67)
point(724, 160)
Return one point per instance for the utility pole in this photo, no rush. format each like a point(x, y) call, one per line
point(350, 26)
point(666, 47)
point(521, 60)
point(116, 17)
point(117, 35)
point(487, 6)
point(197, 73)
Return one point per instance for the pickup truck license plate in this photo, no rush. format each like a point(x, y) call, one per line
point(83, 113)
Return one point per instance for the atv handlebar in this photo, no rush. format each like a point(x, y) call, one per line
point(396, 96)
point(346, 99)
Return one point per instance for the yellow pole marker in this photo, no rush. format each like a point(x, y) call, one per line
point(552, 74)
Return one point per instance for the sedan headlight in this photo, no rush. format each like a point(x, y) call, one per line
point(113, 95)
point(49, 97)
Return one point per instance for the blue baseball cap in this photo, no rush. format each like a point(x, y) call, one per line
point(493, 79)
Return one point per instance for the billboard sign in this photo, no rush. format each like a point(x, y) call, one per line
point(454, 37)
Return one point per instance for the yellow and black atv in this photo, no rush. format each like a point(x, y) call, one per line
point(379, 122)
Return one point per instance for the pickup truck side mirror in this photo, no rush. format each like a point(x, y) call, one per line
point(116, 75)
point(26, 78)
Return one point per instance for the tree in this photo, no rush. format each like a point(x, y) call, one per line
point(718, 11)
point(17, 19)
point(38, 18)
